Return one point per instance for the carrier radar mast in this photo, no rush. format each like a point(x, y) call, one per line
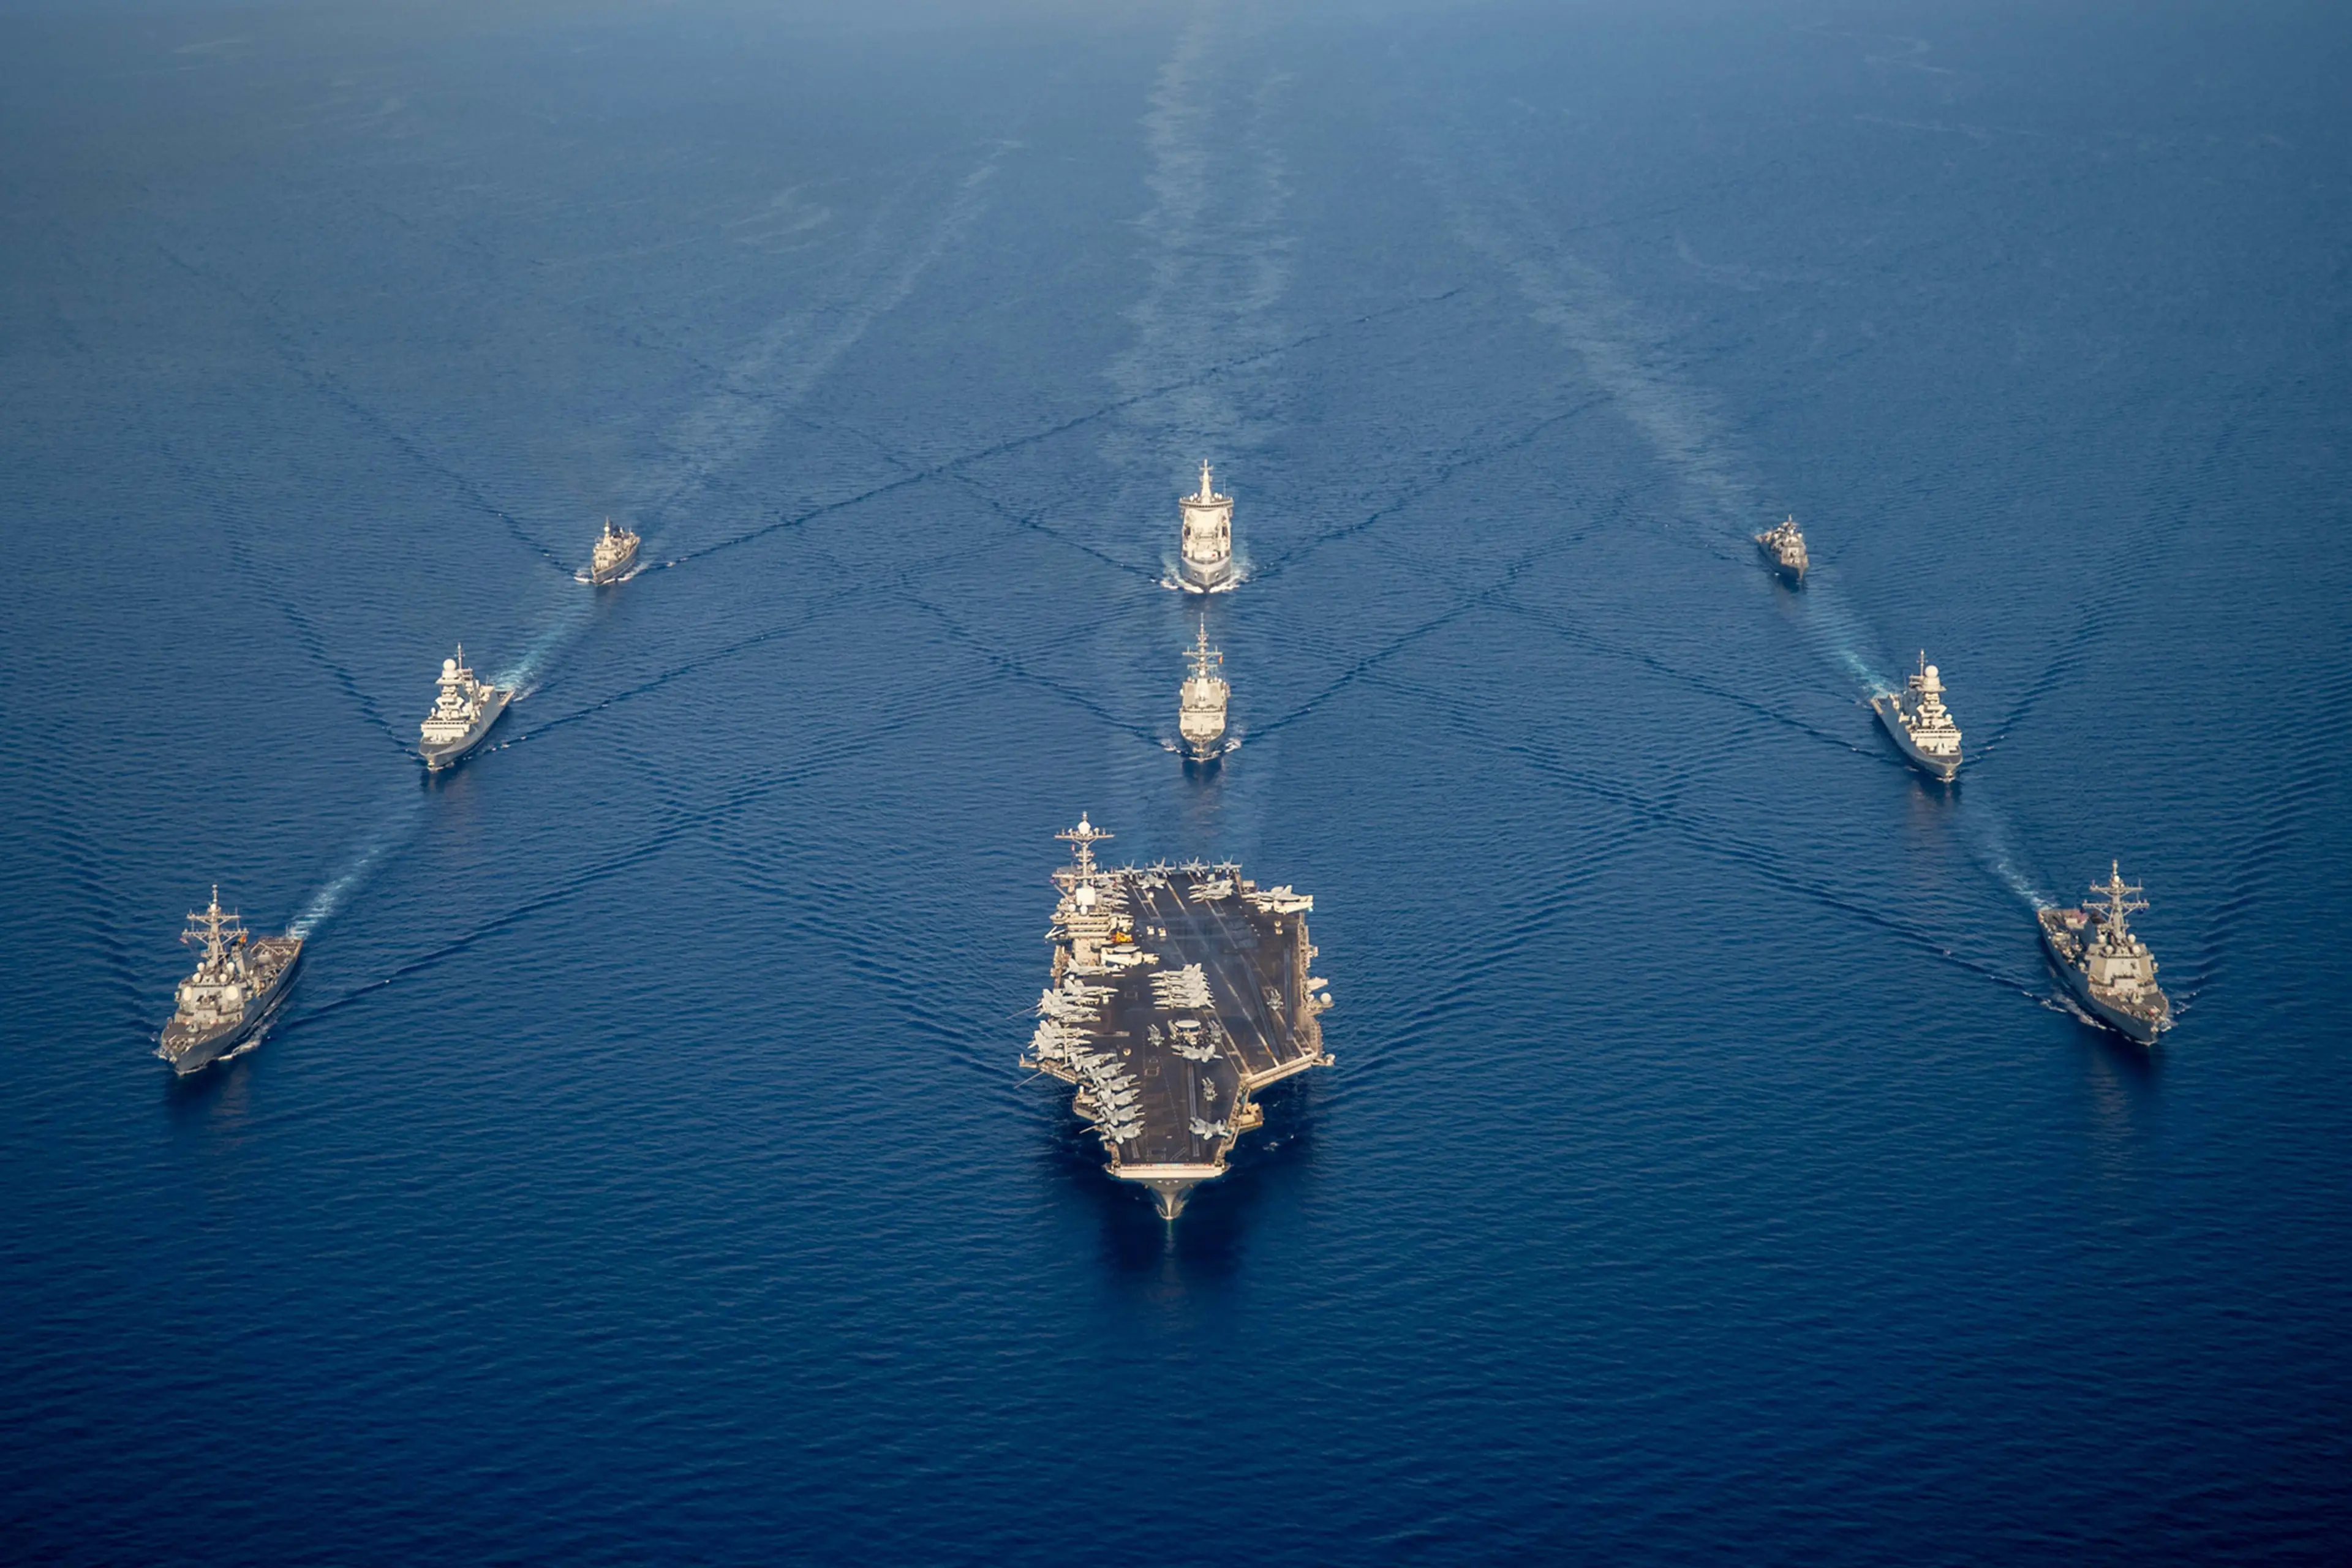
point(1081, 870)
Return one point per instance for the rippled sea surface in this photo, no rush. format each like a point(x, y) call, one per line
point(641, 1171)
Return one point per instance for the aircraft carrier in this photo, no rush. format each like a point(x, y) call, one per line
point(1179, 993)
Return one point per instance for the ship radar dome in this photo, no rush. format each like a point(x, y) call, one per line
point(1929, 672)
point(448, 667)
point(1084, 897)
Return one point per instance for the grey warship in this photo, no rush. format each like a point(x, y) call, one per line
point(238, 983)
point(1920, 725)
point(615, 553)
point(1206, 542)
point(461, 715)
point(1178, 993)
point(1784, 546)
point(1201, 703)
point(2109, 970)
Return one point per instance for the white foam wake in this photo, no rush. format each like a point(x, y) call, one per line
point(1216, 253)
point(392, 829)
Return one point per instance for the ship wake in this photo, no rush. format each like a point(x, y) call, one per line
point(393, 828)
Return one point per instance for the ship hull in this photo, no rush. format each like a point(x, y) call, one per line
point(436, 758)
point(1792, 575)
point(199, 1051)
point(1202, 753)
point(611, 574)
point(2138, 1027)
point(1890, 719)
point(1195, 578)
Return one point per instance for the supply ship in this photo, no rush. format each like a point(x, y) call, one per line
point(1179, 992)
point(615, 553)
point(1920, 725)
point(1784, 547)
point(1205, 547)
point(461, 715)
point(2109, 970)
point(1201, 703)
point(239, 980)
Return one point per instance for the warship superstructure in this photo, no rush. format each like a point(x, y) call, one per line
point(239, 980)
point(1201, 704)
point(1205, 559)
point(1920, 725)
point(461, 715)
point(1178, 993)
point(1784, 546)
point(615, 553)
point(2109, 970)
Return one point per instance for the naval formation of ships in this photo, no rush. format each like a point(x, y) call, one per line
point(1178, 993)
point(2109, 971)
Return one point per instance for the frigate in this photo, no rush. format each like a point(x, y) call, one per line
point(239, 980)
point(1784, 547)
point(1205, 559)
point(615, 553)
point(1179, 993)
point(1921, 726)
point(1201, 704)
point(461, 715)
point(2109, 970)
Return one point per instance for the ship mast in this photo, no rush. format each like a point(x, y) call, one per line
point(1201, 653)
point(209, 927)
point(1207, 494)
point(2122, 899)
point(1082, 870)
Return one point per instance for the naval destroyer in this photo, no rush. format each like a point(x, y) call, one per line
point(1178, 993)
point(461, 715)
point(1201, 704)
point(1205, 559)
point(239, 980)
point(1784, 546)
point(615, 553)
point(2109, 970)
point(1920, 725)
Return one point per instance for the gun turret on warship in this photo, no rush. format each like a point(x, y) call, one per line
point(2109, 970)
point(1201, 705)
point(615, 553)
point(239, 980)
point(1919, 724)
point(461, 715)
point(1784, 547)
point(1205, 562)
point(1178, 993)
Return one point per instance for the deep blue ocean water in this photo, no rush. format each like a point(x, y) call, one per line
point(640, 1170)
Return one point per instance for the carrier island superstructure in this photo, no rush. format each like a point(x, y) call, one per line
point(1179, 993)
